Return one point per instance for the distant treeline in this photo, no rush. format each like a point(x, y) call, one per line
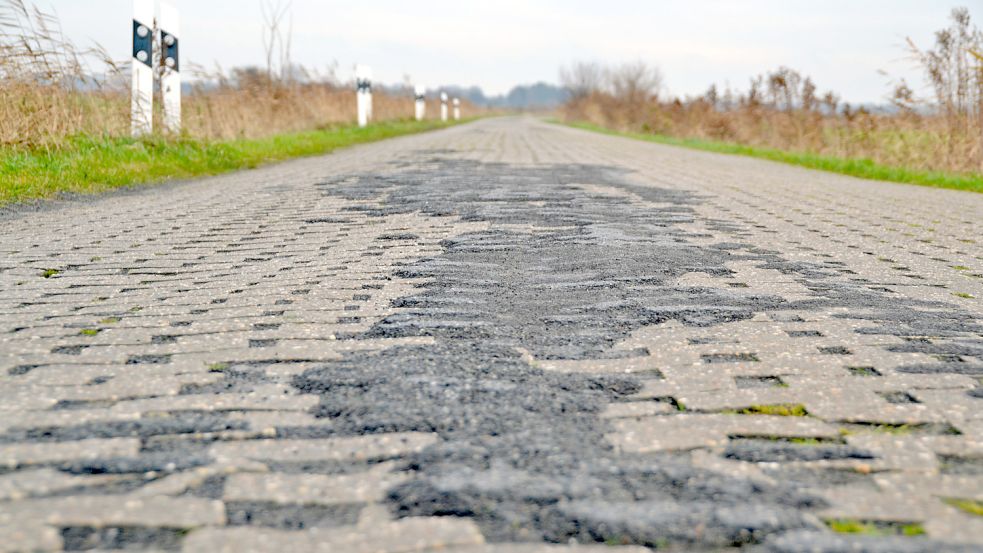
point(538, 96)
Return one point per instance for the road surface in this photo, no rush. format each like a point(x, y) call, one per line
point(491, 338)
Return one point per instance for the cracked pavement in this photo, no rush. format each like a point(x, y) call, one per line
point(504, 336)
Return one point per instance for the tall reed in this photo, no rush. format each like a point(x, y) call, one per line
point(47, 91)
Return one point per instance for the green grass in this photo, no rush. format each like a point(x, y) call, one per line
point(971, 506)
point(88, 165)
point(787, 440)
point(48, 273)
point(875, 528)
point(861, 168)
point(218, 367)
point(780, 410)
point(894, 429)
point(89, 331)
point(808, 441)
point(900, 429)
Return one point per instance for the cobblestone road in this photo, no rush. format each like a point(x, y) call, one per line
point(493, 338)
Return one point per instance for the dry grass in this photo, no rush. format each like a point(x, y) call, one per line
point(783, 110)
point(46, 89)
point(249, 105)
point(49, 93)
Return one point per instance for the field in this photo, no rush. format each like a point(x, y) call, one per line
point(935, 140)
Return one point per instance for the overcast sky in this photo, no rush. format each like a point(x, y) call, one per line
point(496, 44)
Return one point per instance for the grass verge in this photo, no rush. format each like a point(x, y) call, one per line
point(861, 168)
point(88, 165)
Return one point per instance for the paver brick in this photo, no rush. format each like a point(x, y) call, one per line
point(405, 536)
point(29, 536)
point(361, 448)
point(102, 511)
point(685, 431)
point(542, 330)
point(19, 454)
point(316, 489)
point(43, 481)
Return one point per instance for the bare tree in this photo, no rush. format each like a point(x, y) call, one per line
point(830, 102)
point(277, 47)
point(635, 82)
point(954, 68)
point(783, 86)
point(711, 96)
point(809, 99)
point(951, 65)
point(582, 79)
point(753, 98)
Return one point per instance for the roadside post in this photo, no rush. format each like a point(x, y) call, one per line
point(363, 94)
point(142, 94)
point(170, 80)
point(457, 109)
point(443, 106)
point(419, 93)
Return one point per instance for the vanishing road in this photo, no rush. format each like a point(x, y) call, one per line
point(493, 338)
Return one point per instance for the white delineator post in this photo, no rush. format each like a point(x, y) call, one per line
point(443, 106)
point(363, 94)
point(142, 102)
point(419, 94)
point(369, 98)
point(457, 109)
point(170, 80)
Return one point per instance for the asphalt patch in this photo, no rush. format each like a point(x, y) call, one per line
point(566, 273)
point(523, 450)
